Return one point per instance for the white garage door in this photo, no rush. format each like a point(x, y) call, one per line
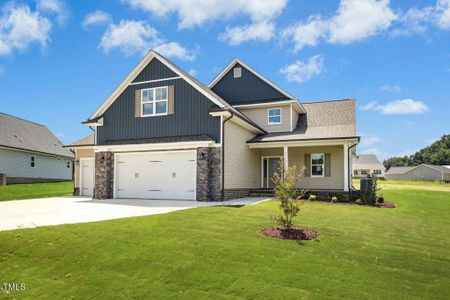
point(156, 175)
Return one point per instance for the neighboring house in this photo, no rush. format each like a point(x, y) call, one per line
point(164, 135)
point(29, 152)
point(365, 164)
point(420, 172)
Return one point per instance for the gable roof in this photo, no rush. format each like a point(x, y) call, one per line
point(404, 170)
point(323, 120)
point(216, 99)
point(366, 159)
point(85, 141)
point(26, 135)
point(238, 61)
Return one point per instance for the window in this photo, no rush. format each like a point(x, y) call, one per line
point(274, 115)
point(317, 164)
point(32, 161)
point(68, 165)
point(237, 72)
point(154, 101)
point(377, 172)
point(355, 172)
point(363, 172)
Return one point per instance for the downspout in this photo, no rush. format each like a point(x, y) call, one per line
point(223, 155)
point(350, 182)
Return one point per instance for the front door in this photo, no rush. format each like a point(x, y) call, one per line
point(87, 176)
point(270, 166)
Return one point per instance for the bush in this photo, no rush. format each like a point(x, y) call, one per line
point(312, 197)
point(369, 190)
point(359, 201)
point(285, 181)
point(380, 199)
point(334, 199)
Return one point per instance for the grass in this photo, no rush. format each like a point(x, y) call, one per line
point(217, 253)
point(412, 185)
point(35, 190)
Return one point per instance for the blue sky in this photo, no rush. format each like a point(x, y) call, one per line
point(60, 59)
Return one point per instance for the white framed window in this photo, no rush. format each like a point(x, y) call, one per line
point(355, 172)
point(32, 161)
point(317, 164)
point(377, 172)
point(68, 165)
point(274, 116)
point(154, 101)
point(363, 172)
point(237, 72)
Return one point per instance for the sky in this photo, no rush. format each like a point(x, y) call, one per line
point(59, 60)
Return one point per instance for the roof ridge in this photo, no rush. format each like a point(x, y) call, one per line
point(22, 119)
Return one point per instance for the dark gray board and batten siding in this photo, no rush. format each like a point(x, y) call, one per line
point(246, 88)
point(191, 112)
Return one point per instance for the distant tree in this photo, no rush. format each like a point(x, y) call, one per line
point(438, 153)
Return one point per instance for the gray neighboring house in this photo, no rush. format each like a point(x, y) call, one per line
point(162, 134)
point(30, 152)
point(421, 172)
point(365, 164)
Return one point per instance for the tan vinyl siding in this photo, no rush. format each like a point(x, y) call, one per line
point(79, 153)
point(259, 116)
point(242, 164)
point(335, 181)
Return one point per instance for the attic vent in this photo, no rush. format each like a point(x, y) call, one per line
point(237, 72)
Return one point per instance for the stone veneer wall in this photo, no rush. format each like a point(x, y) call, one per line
point(209, 174)
point(104, 175)
point(229, 194)
point(20, 180)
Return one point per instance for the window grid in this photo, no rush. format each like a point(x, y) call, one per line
point(317, 165)
point(154, 101)
point(274, 116)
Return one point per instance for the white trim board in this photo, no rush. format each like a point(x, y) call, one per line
point(238, 61)
point(155, 146)
point(300, 143)
point(298, 107)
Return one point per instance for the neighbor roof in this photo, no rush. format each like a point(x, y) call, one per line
point(86, 141)
point(366, 159)
point(333, 119)
point(26, 135)
point(403, 170)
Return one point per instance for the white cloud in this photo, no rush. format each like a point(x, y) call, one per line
point(55, 7)
point(443, 14)
point(398, 107)
point(391, 88)
point(413, 21)
point(20, 27)
point(97, 17)
point(368, 140)
point(306, 33)
point(263, 31)
point(192, 72)
point(131, 37)
point(175, 50)
point(301, 71)
point(192, 13)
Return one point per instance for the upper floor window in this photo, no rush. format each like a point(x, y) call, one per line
point(32, 161)
point(274, 116)
point(317, 164)
point(377, 172)
point(363, 172)
point(355, 172)
point(154, 101)
point(237, 72)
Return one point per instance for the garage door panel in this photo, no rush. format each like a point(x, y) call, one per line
point(157, 175)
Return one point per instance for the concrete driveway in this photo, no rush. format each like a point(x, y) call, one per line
point(67, 210)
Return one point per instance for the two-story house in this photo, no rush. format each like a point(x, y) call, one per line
point(162, 134)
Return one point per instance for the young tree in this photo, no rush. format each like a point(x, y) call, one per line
point(285, 180)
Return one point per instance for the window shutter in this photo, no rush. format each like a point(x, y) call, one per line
point(137, 103)
point(327, 165)
point(171, 100)
point(307, 165)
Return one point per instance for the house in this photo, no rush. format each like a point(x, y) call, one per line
point(29, 152)
point(420, 172)
point(162, 134)
point(365, 164)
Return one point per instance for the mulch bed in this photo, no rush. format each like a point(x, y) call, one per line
point(386, 204)
point(295, 233)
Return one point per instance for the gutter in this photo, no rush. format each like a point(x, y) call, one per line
point(222, 192)
point(350, 183)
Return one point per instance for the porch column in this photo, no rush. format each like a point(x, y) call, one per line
point(346, 167)
point(286, 157)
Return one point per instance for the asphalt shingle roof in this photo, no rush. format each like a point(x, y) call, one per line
point(366, 159)
point(86, 141)
point(22, 134)
point(323, 120)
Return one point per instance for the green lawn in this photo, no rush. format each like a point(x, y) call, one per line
point(415, 185)
point(35, 190)
point(217, 253)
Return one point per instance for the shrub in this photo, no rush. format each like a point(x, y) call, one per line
point(285, 180)
point(359, 201)
point(334, 199)
point(369, 190)
point(380, 199)
point(312, 197)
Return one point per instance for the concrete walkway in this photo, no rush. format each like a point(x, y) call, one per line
point(68, 210)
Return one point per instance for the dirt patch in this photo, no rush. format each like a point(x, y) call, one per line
point(295, 233)
point(386, 204)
